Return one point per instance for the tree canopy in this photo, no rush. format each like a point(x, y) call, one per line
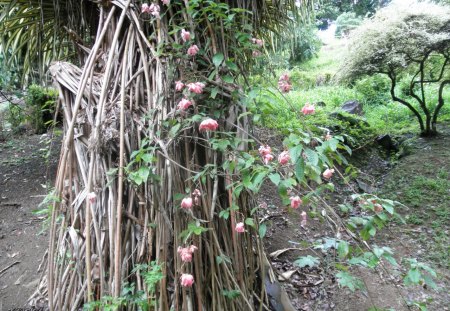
point(404, 40)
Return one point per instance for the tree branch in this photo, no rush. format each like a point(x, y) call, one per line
point(440, 103)
point(397, 99)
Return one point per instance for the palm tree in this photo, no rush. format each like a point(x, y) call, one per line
point(130, 156)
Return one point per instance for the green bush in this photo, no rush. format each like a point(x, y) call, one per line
point(375, 89)
point(345, 22)
point(40, 107)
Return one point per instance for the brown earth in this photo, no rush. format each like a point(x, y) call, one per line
point(316, 288)
point(24, 180)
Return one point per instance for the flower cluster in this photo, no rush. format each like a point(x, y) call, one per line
point(92, 197)
point(328, 173)
point(196, 87)
point(240, 227)
point(259, 43)
point(184, 104)
point(187, 280)
point(185, 35)
point(186, 203)
point(208, 125)
point(193, 50)
point(266, 153)
point(284, 84)
point(186, 252)
point(308, 109)
point(295, 202)
point(196, 194)
point(152, 9)
point(284, 158)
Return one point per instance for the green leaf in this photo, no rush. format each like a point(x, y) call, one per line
point(232, 66)
point(214, 92)
point(413, 276)
point(309, 261)
point(343, 249)
point(174, 130)
point(275, 178)
point(262, 230)
point(300, 169)
point(345, 279)
point(228, 79)
point(218, 59)
point(312, 156)
point(295, 153)
point(250, 222)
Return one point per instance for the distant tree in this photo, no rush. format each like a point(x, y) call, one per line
point(402, 42)
point(346, 22)
point(331, 9)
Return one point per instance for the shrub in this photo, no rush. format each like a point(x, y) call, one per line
point(40, 107)
point(345, 23)
point(406, 42)
point(375, 89)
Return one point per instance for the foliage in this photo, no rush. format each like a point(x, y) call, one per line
point(34, 33)
point(298, 45)
point(345, 23)
point(40, 107)
point(331, 9)
point(401, 41)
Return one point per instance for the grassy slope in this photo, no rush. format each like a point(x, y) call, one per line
point(313, 82)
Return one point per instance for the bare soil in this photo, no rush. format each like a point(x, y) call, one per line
point(316, 288)
point(24, 179)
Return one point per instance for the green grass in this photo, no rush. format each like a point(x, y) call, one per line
point(424, 187)
point(313, 82)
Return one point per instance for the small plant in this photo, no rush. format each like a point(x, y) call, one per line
point(40, 107)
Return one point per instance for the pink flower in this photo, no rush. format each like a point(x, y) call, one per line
point(179, 86)
point(378, 208)
point(284, 77)
point(308, 109)
point(186, 252)
point(91, 196)
point(239, 227)
point(263, 150)
point(154, 9)
point(186, 280)
point(328, 136)
point(328, 173)
point(185, 35)
point(295, 202)
point(303, 221)
point(284, 158)
point(192, 248)
point(166, 2)
point(258, 42)
point(196, 195)
point(267, 158)
point(256, 53)
point(193, 50)
point(145, 8)
point(208, 125)
point(186, 203)
point(196, 87)
point(284, 86)
point(184, 104)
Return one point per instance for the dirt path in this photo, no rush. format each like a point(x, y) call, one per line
point(23, 179)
